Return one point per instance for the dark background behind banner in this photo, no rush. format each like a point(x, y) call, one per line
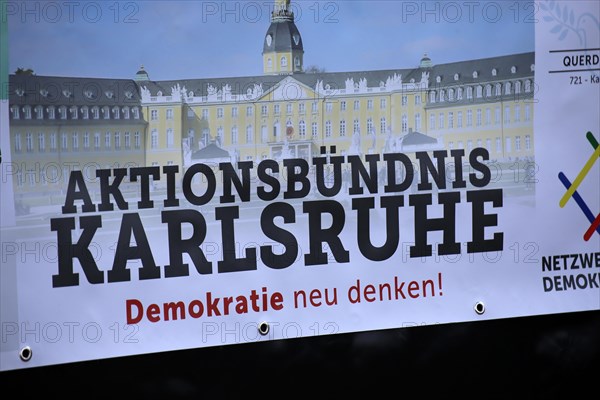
point(551, 356)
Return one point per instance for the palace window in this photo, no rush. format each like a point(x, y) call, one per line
point(18, 143)
point(328, 129)
point(264, 134)
point(29, 142)
point(154, 139)
point(170, 138)
point(234, 135)
point(249, 134)
point(302, 129)
point(53, 141)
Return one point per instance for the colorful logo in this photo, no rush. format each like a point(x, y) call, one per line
point(572, 189)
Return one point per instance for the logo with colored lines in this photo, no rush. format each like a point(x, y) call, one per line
point(573, 193)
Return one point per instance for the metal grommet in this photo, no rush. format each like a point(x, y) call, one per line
point(25, 353)
point(479, 308)
point(263, 328)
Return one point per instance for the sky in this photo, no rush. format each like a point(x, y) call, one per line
point(208, 39)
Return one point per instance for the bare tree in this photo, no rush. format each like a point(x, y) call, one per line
point(314, 69)
point(22, 71)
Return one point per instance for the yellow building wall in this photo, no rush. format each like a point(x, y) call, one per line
point(276, 66)
point(41, 174)
point(167, 127)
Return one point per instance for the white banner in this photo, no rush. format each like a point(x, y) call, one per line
point(152, 216)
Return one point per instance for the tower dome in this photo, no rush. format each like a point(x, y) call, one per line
point(283, 51)
point(142, 75)
point(425, 62)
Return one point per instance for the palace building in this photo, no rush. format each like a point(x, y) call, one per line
point(62, 123)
